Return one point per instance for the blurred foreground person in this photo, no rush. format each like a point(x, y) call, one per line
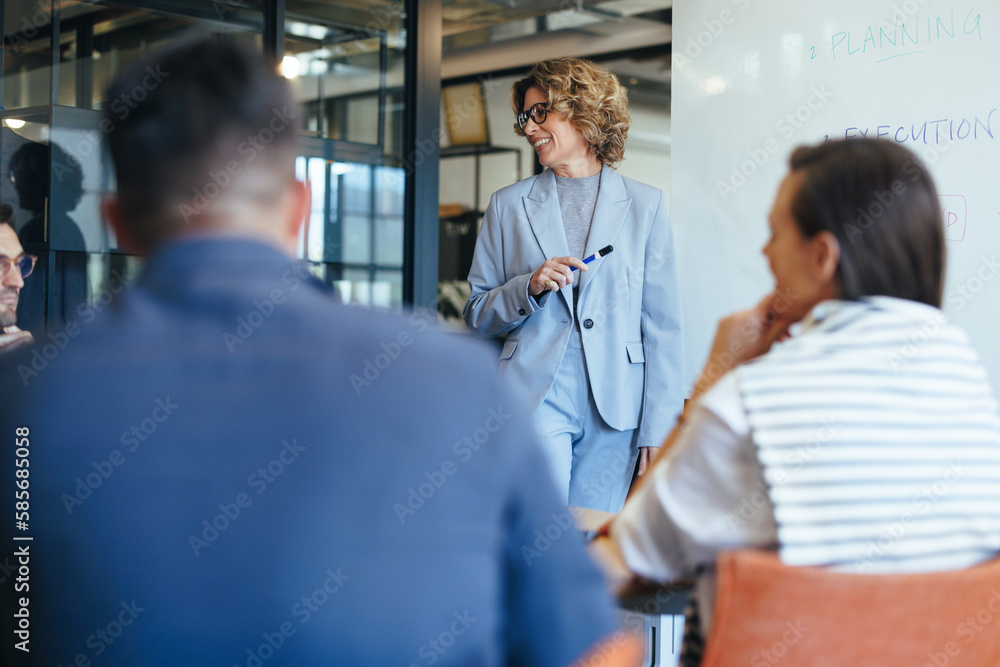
point(210, 483)
point(868, 441)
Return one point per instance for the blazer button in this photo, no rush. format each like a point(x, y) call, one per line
point(520, 311)
point(588, 324)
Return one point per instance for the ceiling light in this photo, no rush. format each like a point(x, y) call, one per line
point(290, 67)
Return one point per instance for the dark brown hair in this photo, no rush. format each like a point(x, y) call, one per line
point(878, 199)
point(185, 121)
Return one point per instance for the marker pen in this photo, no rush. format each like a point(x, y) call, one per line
point(600, 253)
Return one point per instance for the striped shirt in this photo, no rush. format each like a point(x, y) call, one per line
point(879, 438)
point(873, 429)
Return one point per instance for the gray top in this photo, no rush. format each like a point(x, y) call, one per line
point(577, 199)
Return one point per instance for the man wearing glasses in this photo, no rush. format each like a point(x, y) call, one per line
point(15, 266)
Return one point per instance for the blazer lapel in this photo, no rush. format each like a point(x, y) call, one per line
point(609, 215)
point(545, 219)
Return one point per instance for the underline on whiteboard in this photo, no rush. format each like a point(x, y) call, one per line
point(898, 56)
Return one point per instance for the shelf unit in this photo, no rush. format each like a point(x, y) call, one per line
point(457, 233)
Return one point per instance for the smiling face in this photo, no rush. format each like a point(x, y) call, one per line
point(558, 144)
point(803, 268)
point(10, 286)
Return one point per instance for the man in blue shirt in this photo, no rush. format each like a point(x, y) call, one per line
point(210, 482)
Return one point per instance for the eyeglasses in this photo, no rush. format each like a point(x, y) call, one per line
point(25, 265)
point(538, 113)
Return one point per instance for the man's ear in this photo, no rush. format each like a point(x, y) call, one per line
point(111, 210)
point(299, 208)
point(827, 255)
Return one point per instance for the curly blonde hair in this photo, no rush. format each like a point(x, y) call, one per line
point(588, 96)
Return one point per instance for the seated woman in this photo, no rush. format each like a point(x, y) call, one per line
point(867, 441)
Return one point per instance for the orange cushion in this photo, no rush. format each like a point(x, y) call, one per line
point(769, 613)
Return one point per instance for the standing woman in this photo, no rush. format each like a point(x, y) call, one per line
point(595, 347)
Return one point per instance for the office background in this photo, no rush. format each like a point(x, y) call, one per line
point(407, 127)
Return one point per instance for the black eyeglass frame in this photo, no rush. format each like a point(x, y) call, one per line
point(536, 110)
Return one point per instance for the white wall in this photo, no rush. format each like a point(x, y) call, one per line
point(647, 152)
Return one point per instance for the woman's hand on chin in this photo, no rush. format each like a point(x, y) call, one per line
point(744, 335)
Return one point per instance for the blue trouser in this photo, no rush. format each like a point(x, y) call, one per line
point(592, 462)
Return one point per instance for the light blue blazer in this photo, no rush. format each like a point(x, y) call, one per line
point(628, 307)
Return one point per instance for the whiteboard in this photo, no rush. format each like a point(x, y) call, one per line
point(753, 79)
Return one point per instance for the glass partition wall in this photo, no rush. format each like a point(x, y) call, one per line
point(58, 58)
point(345, 63)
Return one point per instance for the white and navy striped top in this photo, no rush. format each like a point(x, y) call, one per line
point(879, 438)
